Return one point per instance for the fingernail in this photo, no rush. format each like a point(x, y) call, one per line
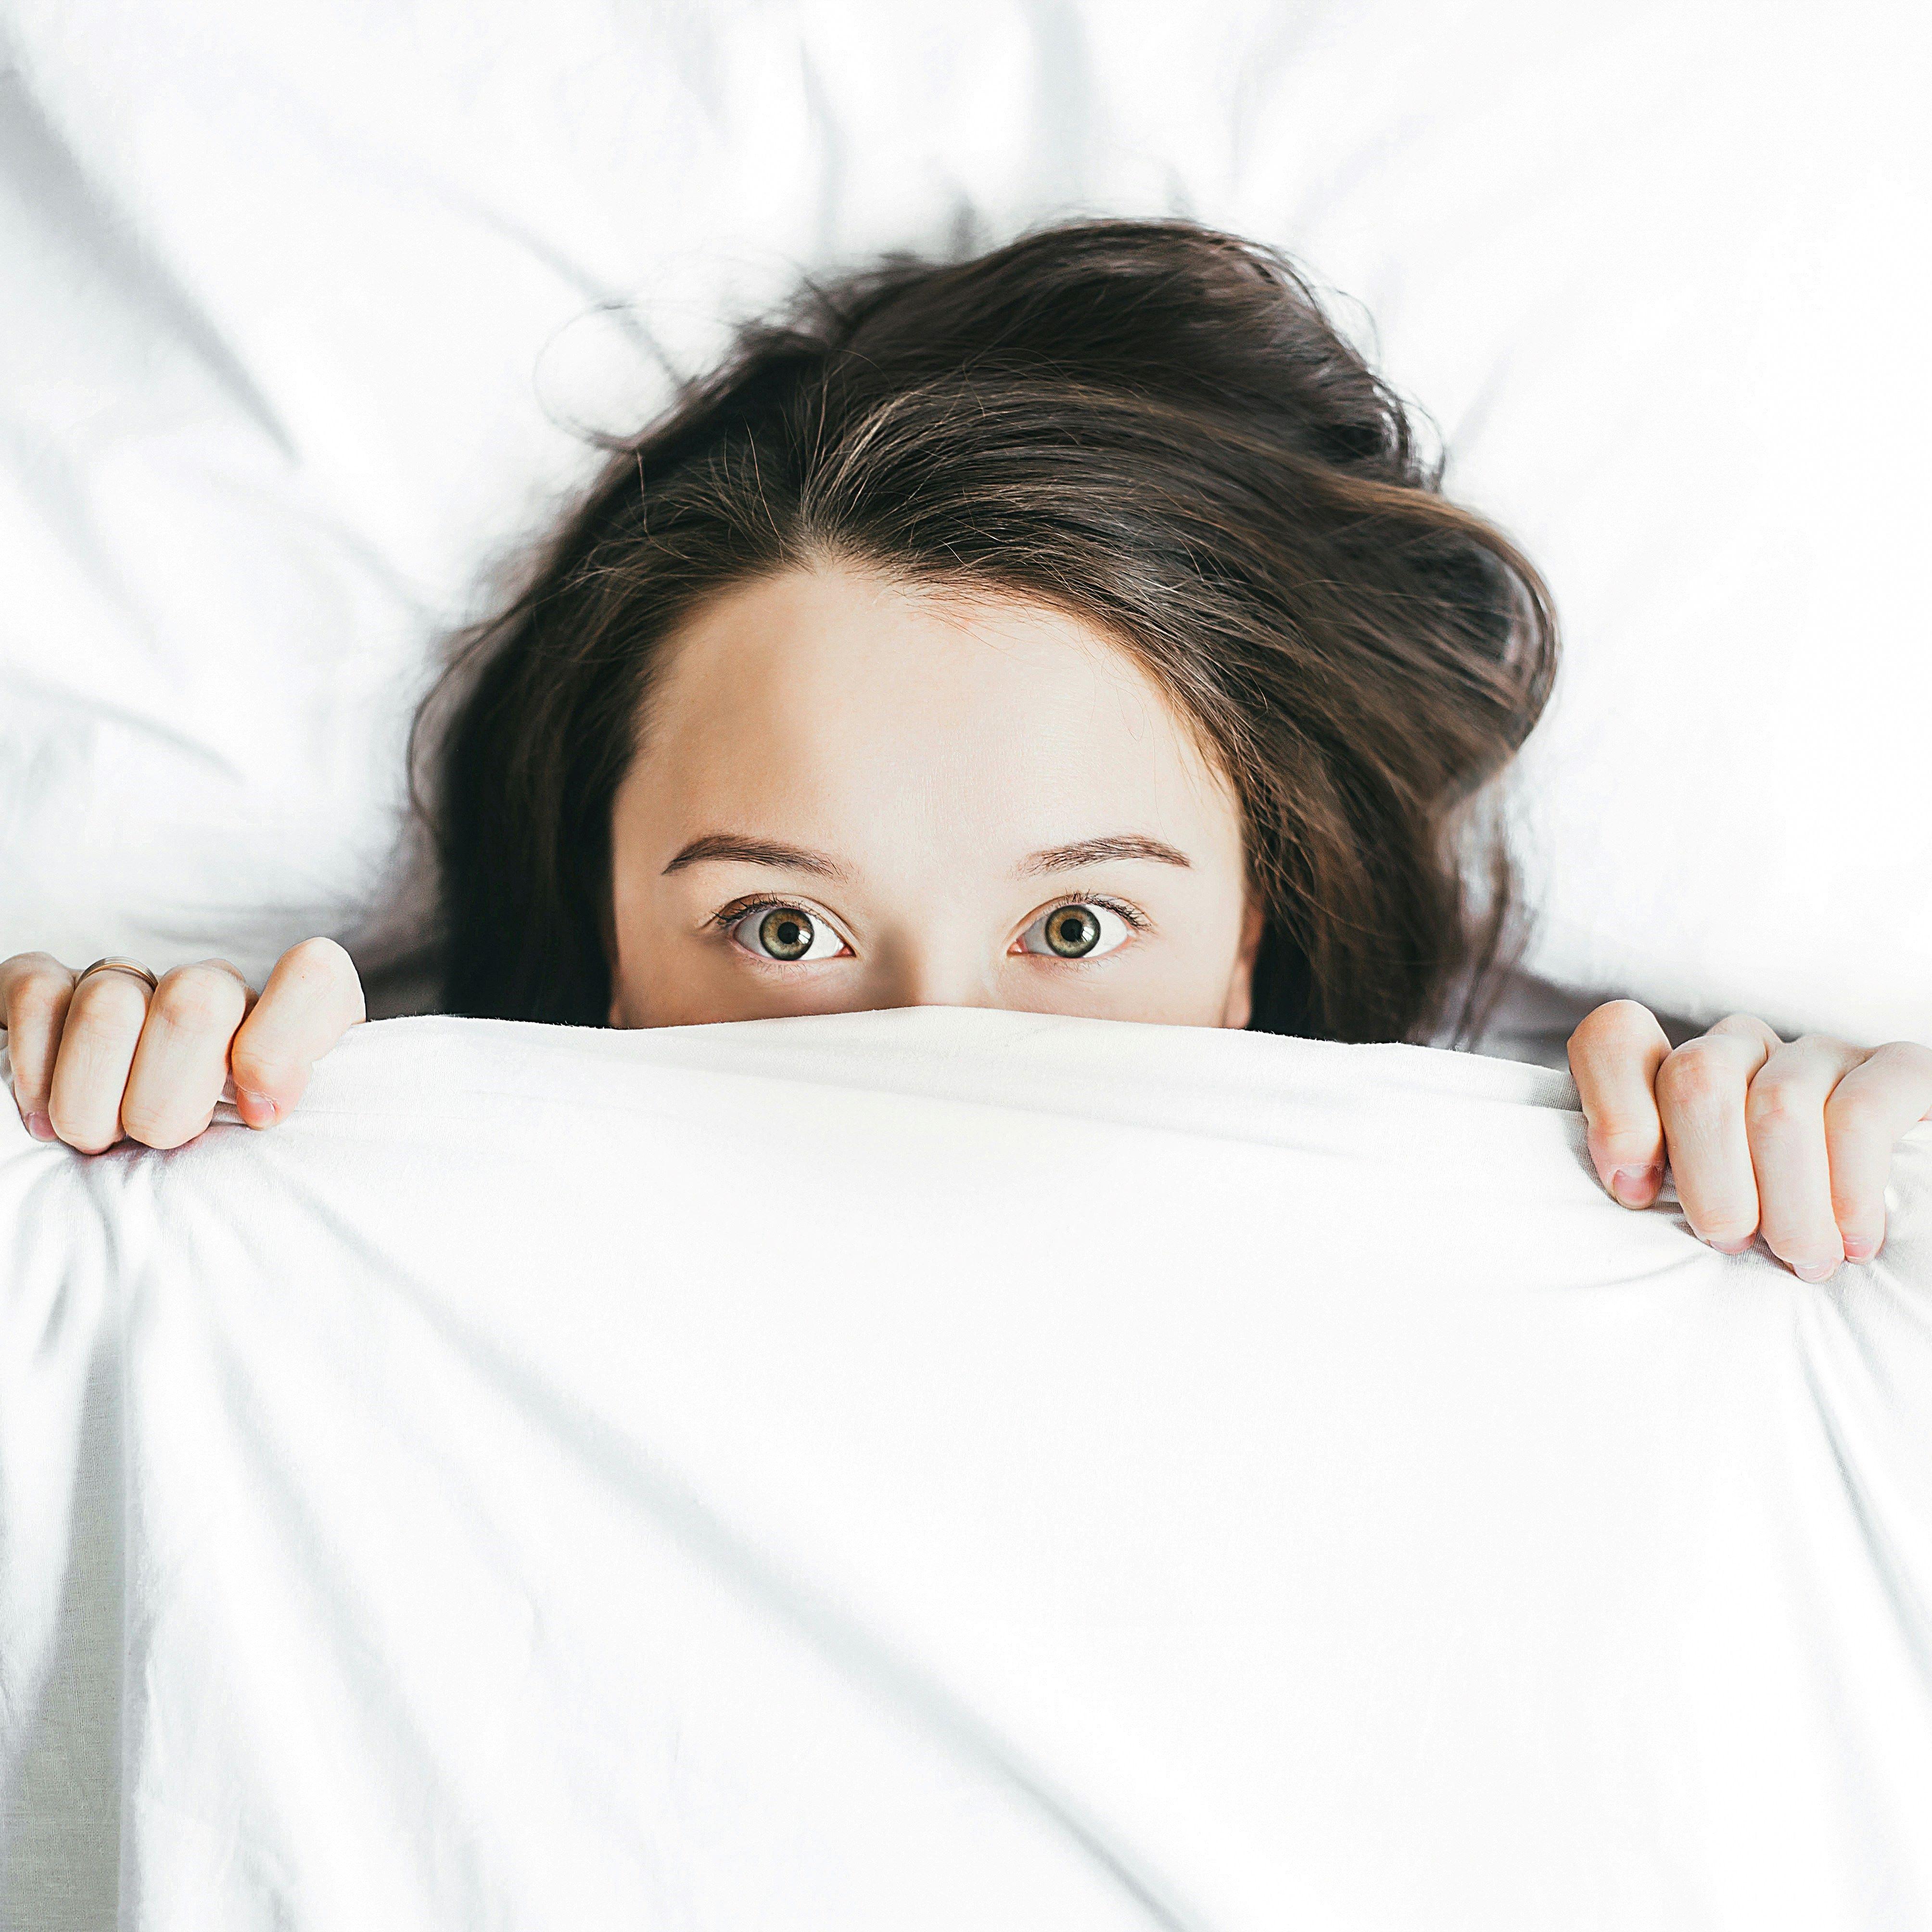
point(1814, 1270)
point(40, 1127)
point(1728, 1247)
point(250, 1101)
point(1859, 1248)
point(1633, 1185)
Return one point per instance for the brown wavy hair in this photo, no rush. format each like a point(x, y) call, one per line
point(1149, 424)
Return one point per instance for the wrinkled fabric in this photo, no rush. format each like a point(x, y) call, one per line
point(949, 1468)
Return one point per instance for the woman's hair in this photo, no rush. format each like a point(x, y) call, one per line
point(1147, 424)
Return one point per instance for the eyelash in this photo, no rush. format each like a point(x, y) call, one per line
point(727, 916)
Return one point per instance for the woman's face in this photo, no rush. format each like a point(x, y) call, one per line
point(855, 795)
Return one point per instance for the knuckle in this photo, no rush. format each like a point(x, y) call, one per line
point(1855, 1109)
point(1745, 1027)
point(321, 966)
point(19, 967)
point(1623, 1011)
point(1693, 1079)
point(317, 958)
point(45, 979)
point(1773, 1103)
point(108, 1003)
point(1904, 1056)
point(36, 1001)
point(1612, 1020)
point(199, 999)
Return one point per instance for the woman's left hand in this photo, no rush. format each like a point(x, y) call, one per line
point(1789, 1139)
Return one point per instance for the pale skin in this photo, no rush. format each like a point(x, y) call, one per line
point(854, 795)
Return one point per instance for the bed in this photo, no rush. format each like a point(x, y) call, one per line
point(420, 1516)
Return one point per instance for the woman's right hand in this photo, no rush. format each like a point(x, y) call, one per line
point(106, 1058)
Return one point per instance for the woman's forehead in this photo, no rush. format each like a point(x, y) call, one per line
point(838, 678)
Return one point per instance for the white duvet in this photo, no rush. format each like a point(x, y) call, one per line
point(943, 1468)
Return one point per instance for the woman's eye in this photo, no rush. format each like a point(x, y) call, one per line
point(787, 933)
point(1082, 931)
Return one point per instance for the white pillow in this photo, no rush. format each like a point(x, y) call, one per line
point(305, 304)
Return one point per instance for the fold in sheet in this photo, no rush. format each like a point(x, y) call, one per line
point(948, 1468)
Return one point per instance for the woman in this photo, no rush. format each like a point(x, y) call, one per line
point(1078, 629)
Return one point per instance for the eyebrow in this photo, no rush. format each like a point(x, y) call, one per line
point(731, 847)
point(1097, 852)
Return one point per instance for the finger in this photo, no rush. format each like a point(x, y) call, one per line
point(1889, 1092)
point(34, 988)
point(1784, 1118)
point(104, 1016)
point(1700, 1092)
point(1614, 1056)
point(312, 998)
point(182, 1056)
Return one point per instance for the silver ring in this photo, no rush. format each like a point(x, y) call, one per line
point(111, 964)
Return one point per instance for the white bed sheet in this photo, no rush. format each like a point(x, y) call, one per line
point(947, 1468)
